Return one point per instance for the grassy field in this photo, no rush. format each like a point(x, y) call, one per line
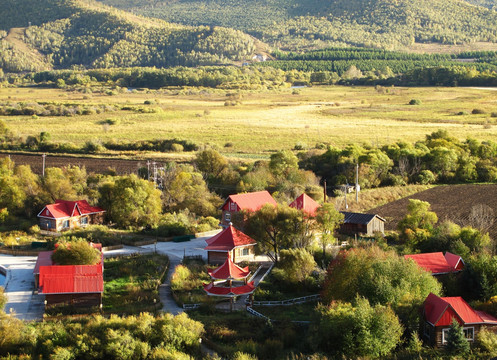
point(264, 122)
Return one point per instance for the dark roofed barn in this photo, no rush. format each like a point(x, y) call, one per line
point(362, 224)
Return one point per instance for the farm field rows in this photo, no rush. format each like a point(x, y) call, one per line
point(263, 122)
point(449, 202)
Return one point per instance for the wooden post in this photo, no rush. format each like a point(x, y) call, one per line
point(231, 304)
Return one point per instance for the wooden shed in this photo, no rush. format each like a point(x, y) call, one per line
point(362, 224)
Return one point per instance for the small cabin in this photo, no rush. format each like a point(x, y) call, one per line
point(67, 215)
point(362, 224)
point(244, 202)
point(438, 313)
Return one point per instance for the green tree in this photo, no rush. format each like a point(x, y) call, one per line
point(133, 201)
point(456, 342)
point(76, 252)
point(12, 196)
point(56, 185)
point(283, 163)
point(272, 227)
point(357, 329)
point(418, 223)
point(328, 220)
point(211, 163)
point(297, 264)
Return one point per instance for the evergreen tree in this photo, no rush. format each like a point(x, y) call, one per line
point(456, 342)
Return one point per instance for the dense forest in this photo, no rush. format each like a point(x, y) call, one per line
point(311, 23)
point(94, 36)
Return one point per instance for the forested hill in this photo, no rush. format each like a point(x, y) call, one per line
point(67, 33)
point(296, 24)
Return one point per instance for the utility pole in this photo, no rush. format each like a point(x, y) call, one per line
point(43, 166)
point(357, 182)
point(345, 194)
point(324, 191)
point(148, 170)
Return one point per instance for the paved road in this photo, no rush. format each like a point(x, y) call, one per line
point(21, 301)
point(165, 292)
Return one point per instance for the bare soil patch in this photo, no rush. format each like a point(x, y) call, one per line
point(449, 202)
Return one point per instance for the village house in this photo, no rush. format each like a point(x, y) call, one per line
point(244, 202)
point(231, 243)
point(305, 203)
point(77, 285)
point(438, 313)
point(362, 224)
point(437, 263)
point(66, 215)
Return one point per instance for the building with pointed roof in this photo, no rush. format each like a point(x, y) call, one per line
point(231, 243)
point(66, 215)
point(362, 224)
point(249, 202)
point(437, 263)
point(233, 281)
point(305, 203)
point(438, 313)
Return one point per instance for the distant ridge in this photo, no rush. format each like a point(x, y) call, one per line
point(302, 24)
point(67, 33)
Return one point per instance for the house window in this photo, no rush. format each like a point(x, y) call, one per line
point(84, 220)
point(469, 334)
point(65, 224)
point(227, 216)
point(48, 212)
point(245, 252)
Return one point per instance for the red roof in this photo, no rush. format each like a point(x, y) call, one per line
point(305, 203)
point(229, 271)
point(71, 279)
point(250, 201)
point(437, 263)
point(63, 209)
point(230, 291)
point(440, 312)
point(228, 239)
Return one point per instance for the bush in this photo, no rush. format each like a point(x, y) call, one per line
point(177, 148)
point(487, 341)
point(426, 177)
point(76, 252)
point(477, 111)
point(415, 102)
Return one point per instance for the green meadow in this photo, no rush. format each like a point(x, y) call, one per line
point(255, 124)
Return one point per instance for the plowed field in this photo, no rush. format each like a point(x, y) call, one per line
point(95, 165)
point(450, 202)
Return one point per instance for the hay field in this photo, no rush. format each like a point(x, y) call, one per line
point(263, 122)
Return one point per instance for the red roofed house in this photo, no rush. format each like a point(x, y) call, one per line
point(438, 314)
point(437, 263)
point(230, 243)
point(249, 202)
point(79, 285)
point(305, 203)
point(65, 215)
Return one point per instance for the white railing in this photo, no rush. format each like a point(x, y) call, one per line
point(258, 314)
point(266, 273)
point(295, 301)
point(190, 306)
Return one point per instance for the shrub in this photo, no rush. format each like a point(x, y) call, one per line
point(487, 341)
point(493, 114)
point(477, 111)
point(415, 102)
point(426, 177)
point(177, 147)
point(462, 113)
point(76, 252)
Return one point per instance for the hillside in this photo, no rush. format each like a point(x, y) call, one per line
point(313, 23)
point(453, 202)
point(75, 33)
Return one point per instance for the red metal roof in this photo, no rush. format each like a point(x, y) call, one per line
point(305, 203)
point(440, 312)
point(230, 291)
point(63, 208)
point(228, 239)
point(229, 271)
point(71, 279)
point(250, 201)
point(435, 263)
point(455, 261)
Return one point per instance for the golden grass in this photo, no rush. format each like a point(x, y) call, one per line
point(268, 121)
